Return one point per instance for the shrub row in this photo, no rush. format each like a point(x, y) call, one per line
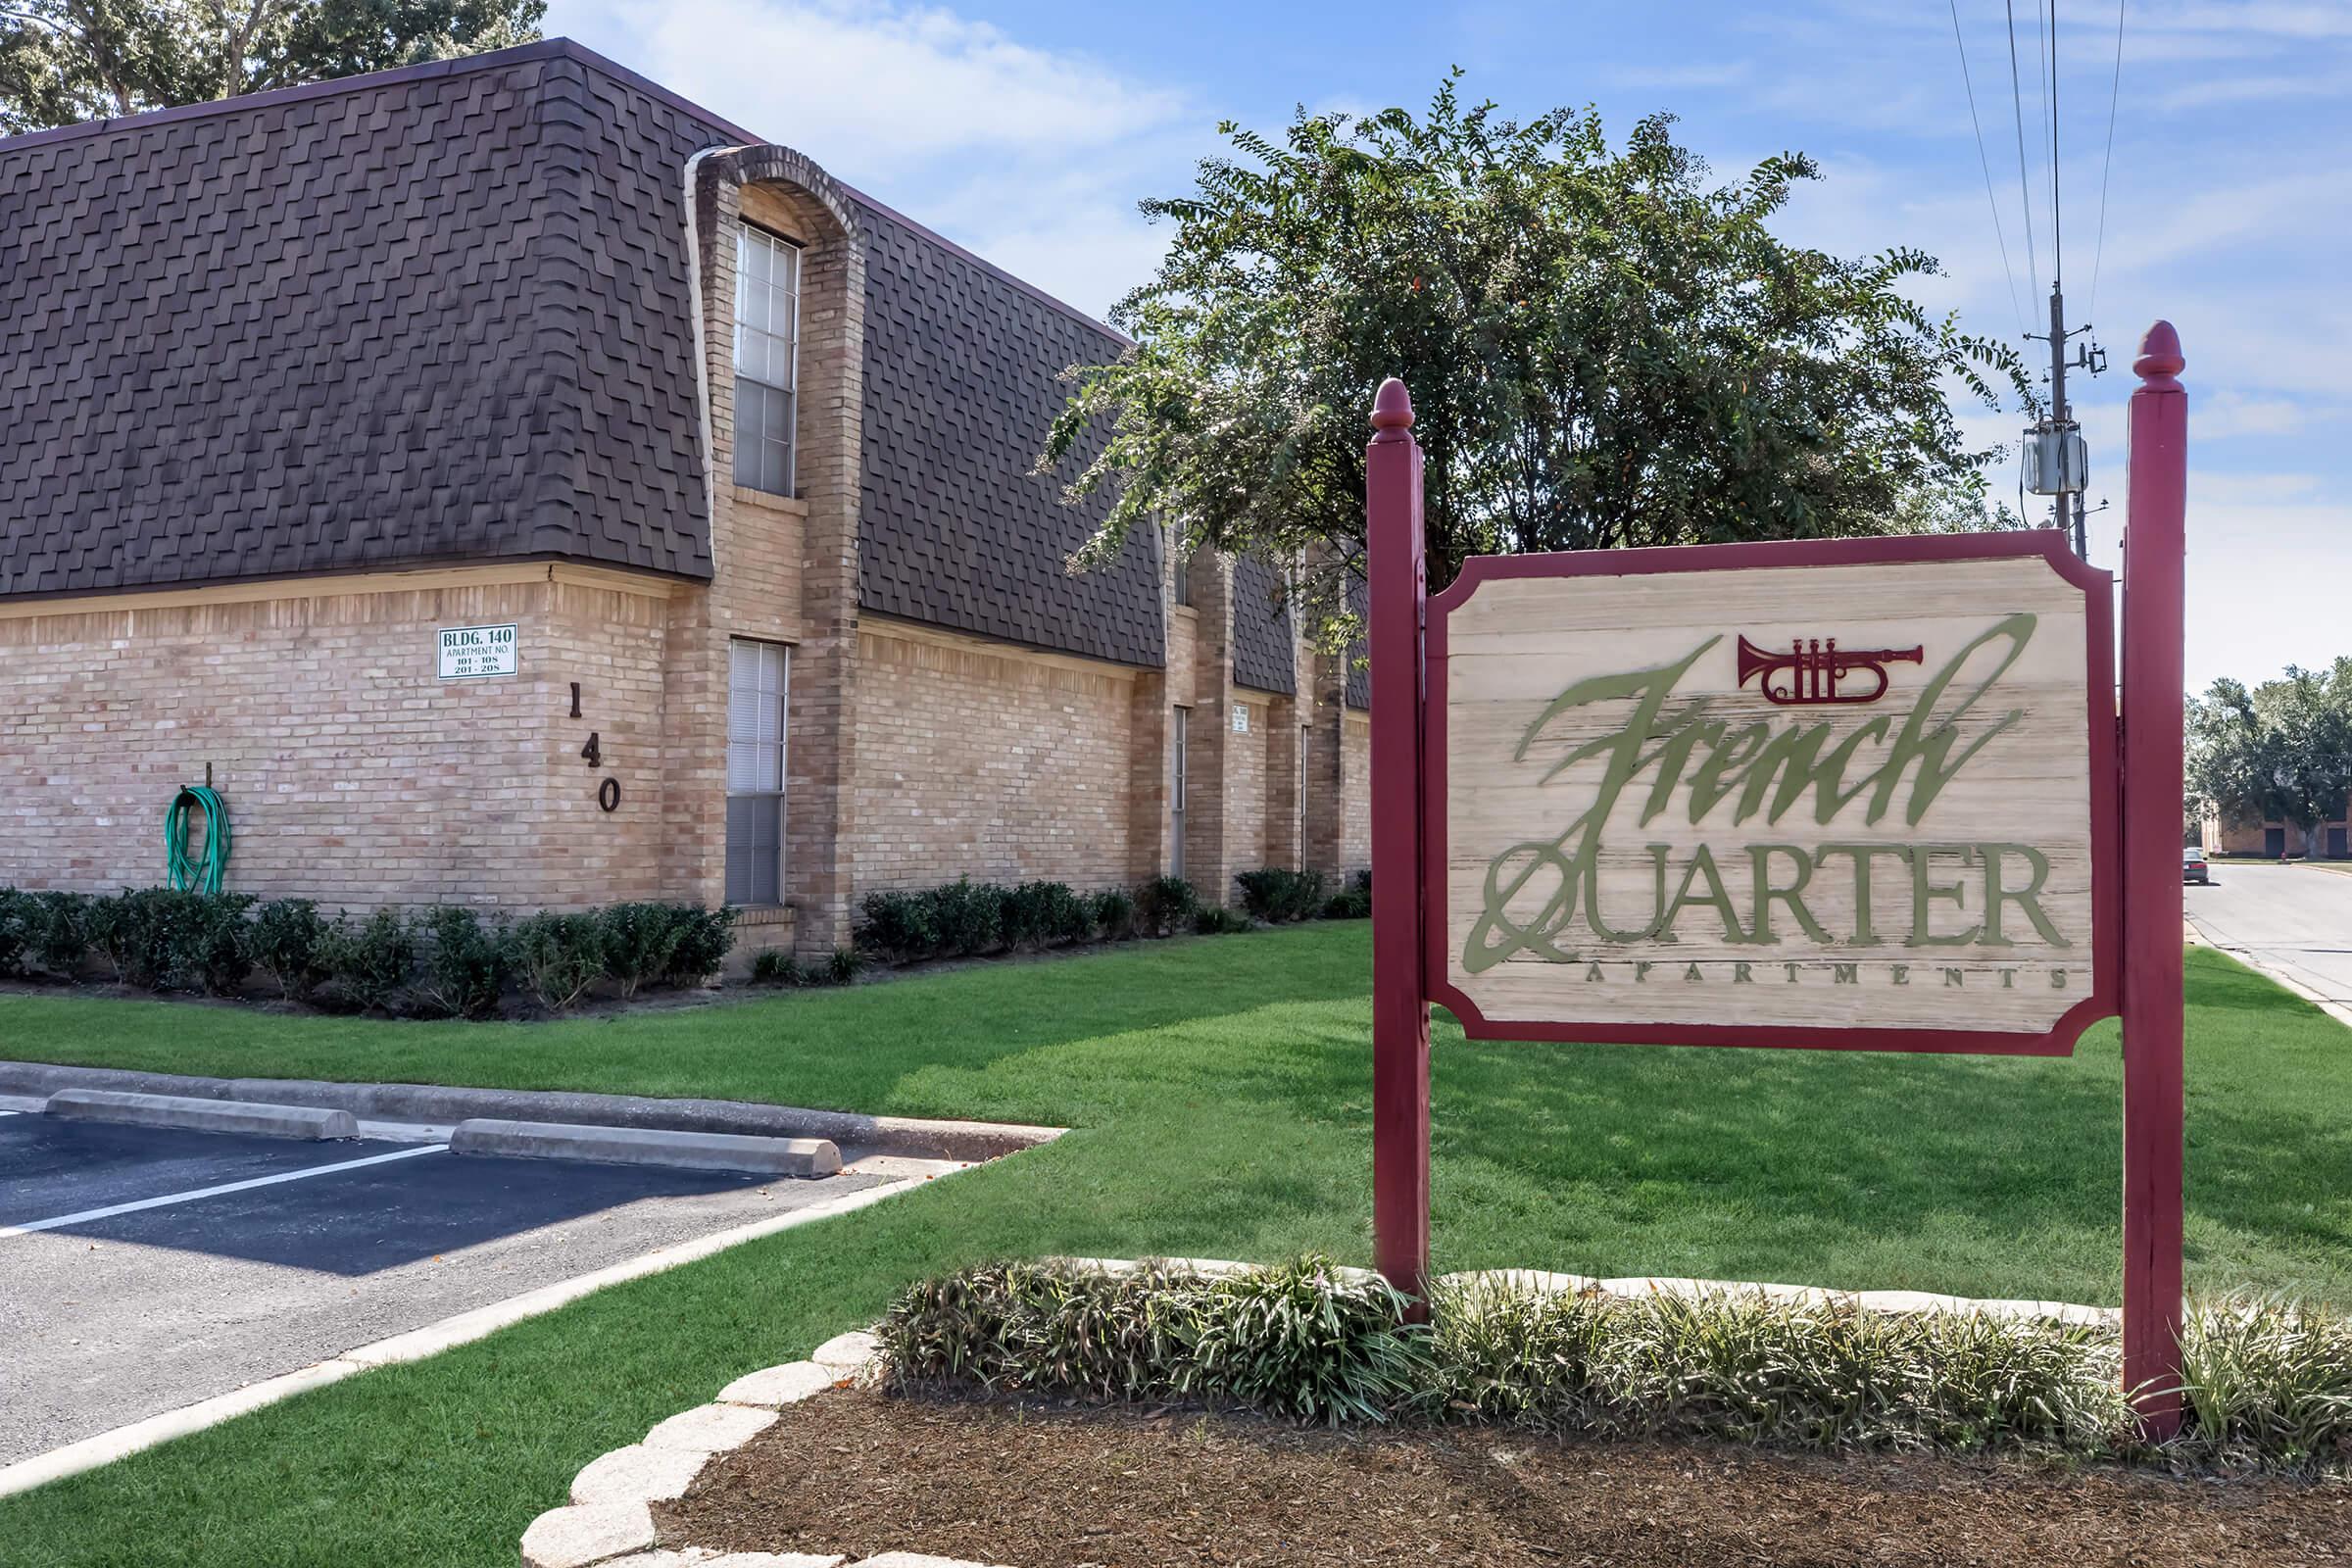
point(964, 917)
point(776, 967)
point(444, 962)
point(2266, 1382)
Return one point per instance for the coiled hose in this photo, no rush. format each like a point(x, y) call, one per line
point(184, 874)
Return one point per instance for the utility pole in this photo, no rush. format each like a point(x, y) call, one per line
point(2057, 463)
point(2061, 414)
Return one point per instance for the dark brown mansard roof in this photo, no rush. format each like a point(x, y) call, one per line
point(1262, 639)
point(318, 330)
point(441, 314)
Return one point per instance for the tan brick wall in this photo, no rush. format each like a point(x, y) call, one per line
point(1355, 792)
point(352, 774)
point(1246, 779)
point(787, 568)
point(975, 759)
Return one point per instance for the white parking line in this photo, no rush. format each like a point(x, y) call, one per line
point(168, 1198)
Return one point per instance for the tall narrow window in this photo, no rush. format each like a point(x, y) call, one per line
point(758, 676)
point(768, 354)
point(1176, 746)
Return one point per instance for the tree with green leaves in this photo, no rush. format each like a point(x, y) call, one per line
point(2279, 753)
point(1602, 350)
point(65, 61)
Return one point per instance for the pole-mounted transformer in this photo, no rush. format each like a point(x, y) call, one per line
point(2057, 460)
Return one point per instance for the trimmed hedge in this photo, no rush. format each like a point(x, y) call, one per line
point(444, 962)
point(1277, 895)
point(1353, 902)
point(773, 967)
point(965, 918)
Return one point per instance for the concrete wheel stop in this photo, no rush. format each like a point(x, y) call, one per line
point(194, 1114)
point(639, 1146)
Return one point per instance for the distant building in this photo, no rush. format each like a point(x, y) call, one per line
point(2272, 839)
point(521, 487)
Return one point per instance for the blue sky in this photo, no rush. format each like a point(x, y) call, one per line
point(1027, 129)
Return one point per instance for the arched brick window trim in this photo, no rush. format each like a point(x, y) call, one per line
point(792, 175)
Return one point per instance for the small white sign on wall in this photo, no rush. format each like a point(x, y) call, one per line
point(470, 652)
point(1240, 718)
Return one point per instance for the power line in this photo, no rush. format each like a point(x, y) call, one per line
point(2050, 109)
point(1985, 160)
point(2017, 102)
point(2114, 92)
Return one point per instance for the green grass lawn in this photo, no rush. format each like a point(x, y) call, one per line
point(1220, 1093)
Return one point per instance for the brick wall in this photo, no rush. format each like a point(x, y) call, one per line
point(786, 566)
point(352, 774)
point(1355, 792)
point(1246, 780)
point(976, 758)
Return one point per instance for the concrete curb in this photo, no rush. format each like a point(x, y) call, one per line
point(641, 1145)
point(434, 1102)
point(196, 1115)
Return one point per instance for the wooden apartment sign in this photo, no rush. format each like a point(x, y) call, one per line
point(1846, 794)
point(1855, 794)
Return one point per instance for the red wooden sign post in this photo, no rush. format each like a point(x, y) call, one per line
point(1400, 999)
point(1501, 916)
point(2154, 1113)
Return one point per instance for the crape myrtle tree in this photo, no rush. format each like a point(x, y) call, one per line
point(1602, 349)
point(2280, 752)
point(64, 60)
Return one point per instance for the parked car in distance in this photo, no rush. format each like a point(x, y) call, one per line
point(2193, 868)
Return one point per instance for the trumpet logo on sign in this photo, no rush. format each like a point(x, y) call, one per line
point(1814, 672)
point(1687, 758)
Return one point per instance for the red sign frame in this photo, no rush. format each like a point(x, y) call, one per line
point(2105, 805)
point(2134, 824)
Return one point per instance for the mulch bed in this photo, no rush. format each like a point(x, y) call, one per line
point(1044, 1487)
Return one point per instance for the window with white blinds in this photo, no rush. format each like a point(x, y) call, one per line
point(767, 352)
point(757, 679)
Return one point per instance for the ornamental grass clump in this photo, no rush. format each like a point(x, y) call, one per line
point(1301, 1341)
point(1751, 1369)
point(1744, 1366)
point(1312, 1343)
point(2270, 1382)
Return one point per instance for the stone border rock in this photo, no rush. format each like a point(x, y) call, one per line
point(609, 1522)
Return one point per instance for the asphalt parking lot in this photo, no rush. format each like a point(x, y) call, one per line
point(143, 1269)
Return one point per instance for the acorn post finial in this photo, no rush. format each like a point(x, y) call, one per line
point(2160, 358)
point(1391, 411)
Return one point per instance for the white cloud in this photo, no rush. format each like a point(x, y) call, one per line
point(1725, 75)
point(1029, 156)
point(874, 88)
point(2207, 93)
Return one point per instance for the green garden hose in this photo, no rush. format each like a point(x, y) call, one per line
point(183, 874)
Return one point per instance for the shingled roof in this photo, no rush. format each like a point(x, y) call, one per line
point(441, 314)
point(313, 330)
point(1262, 641)
point(961, 381)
